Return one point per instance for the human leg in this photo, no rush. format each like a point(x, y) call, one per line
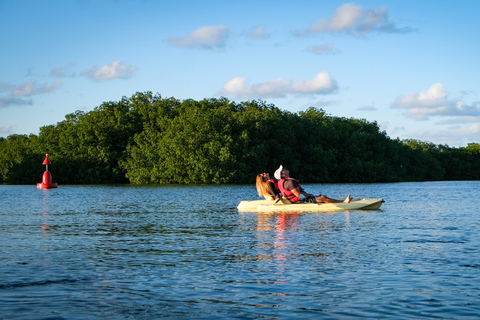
point(325, 199)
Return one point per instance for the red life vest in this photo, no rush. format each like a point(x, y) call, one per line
point(289, 194)
point(275, 184)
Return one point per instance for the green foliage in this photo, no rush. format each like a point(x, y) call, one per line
point(473, 148)
point(17, 155)
point(147, 139)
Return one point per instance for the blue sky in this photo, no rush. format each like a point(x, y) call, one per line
point(411, 66)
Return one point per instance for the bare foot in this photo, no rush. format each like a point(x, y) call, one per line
point(348, 199)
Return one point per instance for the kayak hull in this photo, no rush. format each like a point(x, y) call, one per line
point(269, 205)
point(253, 204)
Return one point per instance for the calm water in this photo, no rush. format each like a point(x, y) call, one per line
point(126, 252)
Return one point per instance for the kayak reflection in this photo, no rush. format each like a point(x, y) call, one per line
point(277, 240)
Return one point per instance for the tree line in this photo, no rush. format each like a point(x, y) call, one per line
point(147, 139)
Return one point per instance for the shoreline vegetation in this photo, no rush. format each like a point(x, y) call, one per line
point(147, 139)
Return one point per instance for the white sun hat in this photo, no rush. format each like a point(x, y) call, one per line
point(278, 173)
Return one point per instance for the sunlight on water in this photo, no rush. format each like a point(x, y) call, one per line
point(150, 252)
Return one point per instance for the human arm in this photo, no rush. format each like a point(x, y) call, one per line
point(298, 193)
point(295, 188)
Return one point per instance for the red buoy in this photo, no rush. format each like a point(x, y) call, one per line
point(47, 177)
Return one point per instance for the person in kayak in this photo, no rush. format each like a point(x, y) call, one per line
point(267, 187)
point(291, 190)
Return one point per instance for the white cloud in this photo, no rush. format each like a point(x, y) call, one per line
point(462, 120)
point(322, 83)
point(258, 33)
point(456, 135)
point(16, 94)
point(5, 129)
point(469, 130)
point(345, 17)
point(326, 48)
point(114, 70)
point(208, 37)
point(352, 18)
point(31, 88)
point(434, 102)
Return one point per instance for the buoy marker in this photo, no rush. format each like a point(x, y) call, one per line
point(47, 177)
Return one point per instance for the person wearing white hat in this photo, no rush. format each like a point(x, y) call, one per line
point(278, 173)
point(291, 190)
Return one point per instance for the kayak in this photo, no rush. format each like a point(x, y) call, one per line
point(253, 204)
point(270, 205)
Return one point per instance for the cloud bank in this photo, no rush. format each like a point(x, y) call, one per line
point(114, 70)
point(5, 129)
point(322, 83)
point(17, 94)
point(449, 134)
point(354, 19)
point(208, 37)
point(434, 102)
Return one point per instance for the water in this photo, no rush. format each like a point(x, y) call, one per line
point(156, 252)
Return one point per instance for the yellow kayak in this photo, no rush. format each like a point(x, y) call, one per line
point(270, 205)
point(253, 204)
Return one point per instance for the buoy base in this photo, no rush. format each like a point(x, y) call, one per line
point(47, 185)
point(47, 181)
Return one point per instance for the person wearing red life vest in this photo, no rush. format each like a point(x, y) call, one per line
point(266, 187)
point(291, 190)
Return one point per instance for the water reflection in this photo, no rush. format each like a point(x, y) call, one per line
point(45, 216)
point(347, 218)
point(276, 242)
point(272, 234)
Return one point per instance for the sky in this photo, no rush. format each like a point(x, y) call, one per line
point(411, 66)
